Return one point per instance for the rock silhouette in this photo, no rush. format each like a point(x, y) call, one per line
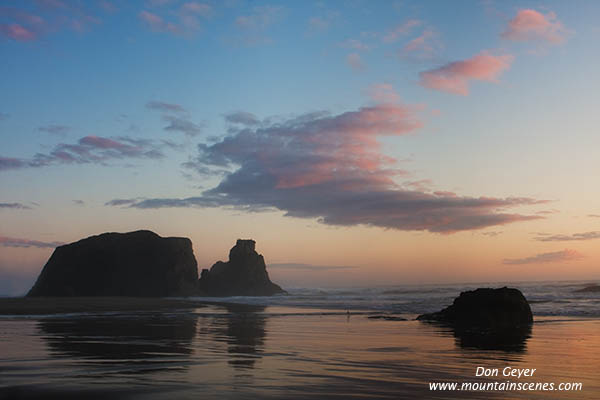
point(245, 274)
point(486, 308)
point(137, 263)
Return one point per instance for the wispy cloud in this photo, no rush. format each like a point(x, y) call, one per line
point(165, 107)
point(17, 32)
point(331, 167)
point(455, 77)
point(552, 257)
point(54, 129)
point(177, 117)
point(242, 117)
point(491, 233)
point(121, 202)
point(20, 25)
point(90, 149)
point(396, 33)
point(532, 25)
point(184, 19)
point(355, 61)
point(426, 46)
point(14, 206)
point(25, 22)
point(3, 116)
point(322, 22)
point(354, 44)
point(183, 125)
point(260, 18)
point(564, 238)
point(157, 23)
point(253, 27)
point(17, 242)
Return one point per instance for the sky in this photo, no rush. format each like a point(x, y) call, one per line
point(358, 142)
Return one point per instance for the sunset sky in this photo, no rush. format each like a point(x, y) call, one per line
point(358, 142)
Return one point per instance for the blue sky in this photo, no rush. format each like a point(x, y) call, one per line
point(503, 92)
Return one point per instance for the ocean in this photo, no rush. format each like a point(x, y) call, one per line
point(545, 298)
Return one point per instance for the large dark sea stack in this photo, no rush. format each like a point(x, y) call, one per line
point(486, 308)
point(245, 274)
point(137, 263)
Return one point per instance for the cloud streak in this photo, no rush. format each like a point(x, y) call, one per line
point(165, 107)
point(544, 258)
point(310, 267)
point(89, 149)
point(183, 125)
point(181, 20)
point(331, 168)
point(54, 129)
point(456, 76)
point(16, 242)
point(14, 206)
point(27, 23)
point(401, 30)
point(565, 238)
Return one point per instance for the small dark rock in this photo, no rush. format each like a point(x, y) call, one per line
point(386, 317)
point(489, 308)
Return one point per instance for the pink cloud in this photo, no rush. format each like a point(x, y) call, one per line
point(394, 34)
point(532, 25)
point(383, 93)
point(418, 42)
point(156, 23)
point(261, 18)
point(454, 77)
point(24, 26)
point(17, 32)
point(354, 60)
point(197, 8)
point(181, 20)
point(332, 167)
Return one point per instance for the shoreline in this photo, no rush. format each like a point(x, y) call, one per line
point(41, 306)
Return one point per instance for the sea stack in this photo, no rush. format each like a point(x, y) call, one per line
point(137, 263)
point(245, 274)
point(485, 308)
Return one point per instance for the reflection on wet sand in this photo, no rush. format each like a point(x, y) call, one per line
point(507, 340)
point(251, 352)
point(134, 340)
point(243, 329)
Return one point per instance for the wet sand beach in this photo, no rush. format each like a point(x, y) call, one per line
point(249, 352)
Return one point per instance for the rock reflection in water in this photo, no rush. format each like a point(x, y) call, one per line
point(143, 342)
point(243, 329)
point(508, 340)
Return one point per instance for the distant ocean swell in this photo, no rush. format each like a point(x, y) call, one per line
point(546, 299)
